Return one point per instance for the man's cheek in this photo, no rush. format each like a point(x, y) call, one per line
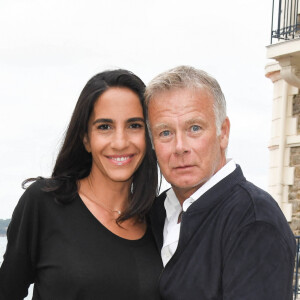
point(163, 151)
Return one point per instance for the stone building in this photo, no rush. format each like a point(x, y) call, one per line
point(284, 146)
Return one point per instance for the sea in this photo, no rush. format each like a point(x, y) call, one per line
point(2, 248)
point(3, 242)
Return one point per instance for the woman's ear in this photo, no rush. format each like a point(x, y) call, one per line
point(86, 143)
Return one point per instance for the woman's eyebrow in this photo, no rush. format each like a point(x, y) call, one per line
point(103, 121)
point(137, 119)
point(110, 121)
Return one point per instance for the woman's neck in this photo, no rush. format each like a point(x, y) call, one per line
point(113, 194)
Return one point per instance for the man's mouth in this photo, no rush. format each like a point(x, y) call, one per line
point(183, 167)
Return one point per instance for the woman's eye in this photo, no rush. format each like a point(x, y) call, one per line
point(104, 127)
point(135, 125)
point(195, 128)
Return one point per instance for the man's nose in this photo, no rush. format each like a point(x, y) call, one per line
point(181, 144)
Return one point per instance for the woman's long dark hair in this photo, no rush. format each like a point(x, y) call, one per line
point(74, 162)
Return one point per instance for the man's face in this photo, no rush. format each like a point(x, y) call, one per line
point(189, 152)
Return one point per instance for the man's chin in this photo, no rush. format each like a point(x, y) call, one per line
point(187, 183)
point(186, 186)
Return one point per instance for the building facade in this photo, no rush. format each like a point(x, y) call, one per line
point(284, 72)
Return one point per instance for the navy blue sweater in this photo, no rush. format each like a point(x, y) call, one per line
point(234, 244)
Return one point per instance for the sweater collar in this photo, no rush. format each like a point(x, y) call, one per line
point(217, 192)
point(172, 205)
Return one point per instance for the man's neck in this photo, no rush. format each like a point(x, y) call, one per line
point(182, 194)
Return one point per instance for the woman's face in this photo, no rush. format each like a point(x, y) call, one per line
point(116, 135)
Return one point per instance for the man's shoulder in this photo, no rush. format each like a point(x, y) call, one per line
point(257, 196)
point(244, 193)
point(263, 206)
point(256, 208)
point(241, 197)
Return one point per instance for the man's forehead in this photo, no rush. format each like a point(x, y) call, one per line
point(180, 91)
point(177, 101)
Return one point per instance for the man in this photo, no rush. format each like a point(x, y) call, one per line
point(220, 236)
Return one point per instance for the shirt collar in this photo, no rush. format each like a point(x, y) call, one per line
point(172, 204)
point(221, 174)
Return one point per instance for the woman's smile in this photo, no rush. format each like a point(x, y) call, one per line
point(121, 160)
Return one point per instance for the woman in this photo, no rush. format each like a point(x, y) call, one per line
point(82, 234)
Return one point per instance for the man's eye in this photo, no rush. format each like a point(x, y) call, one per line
point(195, 128)
point(104, 127)
point(165, 133)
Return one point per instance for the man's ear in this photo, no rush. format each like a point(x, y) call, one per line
point(224, 136)
point(86, 143)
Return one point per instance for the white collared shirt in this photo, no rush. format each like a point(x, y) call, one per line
point(173, 209)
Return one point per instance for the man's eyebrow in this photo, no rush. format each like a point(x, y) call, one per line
point(160, 126)
point(194, 120)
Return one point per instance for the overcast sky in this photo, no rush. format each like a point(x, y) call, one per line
point(49, 50)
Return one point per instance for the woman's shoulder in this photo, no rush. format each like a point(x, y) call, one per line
point(32, 202)
point(37, 186)
point(35, 192)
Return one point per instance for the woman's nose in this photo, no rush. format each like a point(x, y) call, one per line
point(120, 140)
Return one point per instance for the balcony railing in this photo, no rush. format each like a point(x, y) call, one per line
point(285, 20)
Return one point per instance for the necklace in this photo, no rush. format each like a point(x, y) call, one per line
point(98, 202)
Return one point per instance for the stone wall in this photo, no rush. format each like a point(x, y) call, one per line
point(296, 110)
point(294, 190)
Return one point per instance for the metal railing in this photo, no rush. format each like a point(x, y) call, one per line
point(285, 20)
point(296, 288)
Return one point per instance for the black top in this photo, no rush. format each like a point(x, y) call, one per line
point(69, 254)
point(234, 244)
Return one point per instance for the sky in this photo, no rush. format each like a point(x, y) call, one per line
point(50, 49)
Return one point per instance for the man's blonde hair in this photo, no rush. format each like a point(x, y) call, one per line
point(188, 77)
